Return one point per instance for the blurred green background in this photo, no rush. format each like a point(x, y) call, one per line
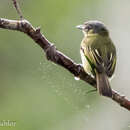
point(40, 95)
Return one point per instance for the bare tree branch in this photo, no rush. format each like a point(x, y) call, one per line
point(16, 5)
point(56, 56)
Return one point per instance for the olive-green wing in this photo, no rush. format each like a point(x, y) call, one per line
point(110, 67)
point(101, 54)
point(105, 58)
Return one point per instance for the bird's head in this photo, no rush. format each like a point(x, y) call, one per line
point(93, 27)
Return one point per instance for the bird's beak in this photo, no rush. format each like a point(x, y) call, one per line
point(81, 27)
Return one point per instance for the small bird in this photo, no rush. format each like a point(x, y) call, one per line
point(98, 54)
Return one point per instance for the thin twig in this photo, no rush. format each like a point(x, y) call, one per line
point(56, 56)
point(17, 7)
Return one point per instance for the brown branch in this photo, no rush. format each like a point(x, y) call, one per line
point(16, 5)
point(56, 56)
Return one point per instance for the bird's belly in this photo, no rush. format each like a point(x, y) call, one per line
point(86, 65)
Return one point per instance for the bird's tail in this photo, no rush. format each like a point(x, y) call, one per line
point(103, 85)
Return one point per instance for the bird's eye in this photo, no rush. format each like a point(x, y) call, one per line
point(89, 27)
